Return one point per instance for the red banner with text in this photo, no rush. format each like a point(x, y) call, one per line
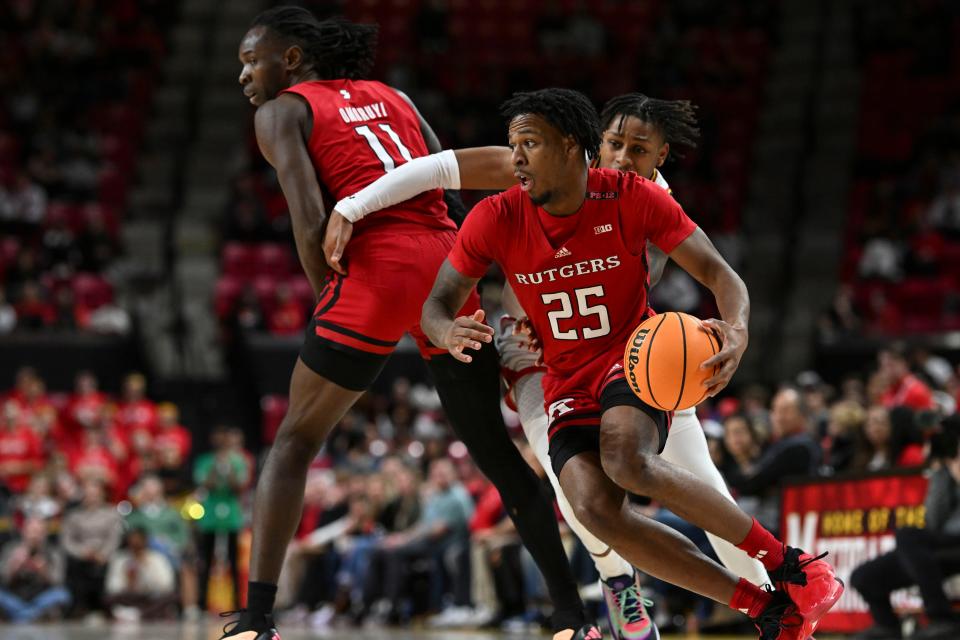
point(854, 520)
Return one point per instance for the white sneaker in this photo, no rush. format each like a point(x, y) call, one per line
point(322, 617)
point(126, 614)
point(450, 617)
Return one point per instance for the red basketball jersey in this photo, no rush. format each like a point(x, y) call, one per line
point(586, 294)
point(361, 130)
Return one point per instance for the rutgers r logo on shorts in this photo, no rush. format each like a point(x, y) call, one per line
point(559, 408)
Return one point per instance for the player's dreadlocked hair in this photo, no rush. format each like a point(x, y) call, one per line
point(336, 47)
point(675, 119)
point(567, 110)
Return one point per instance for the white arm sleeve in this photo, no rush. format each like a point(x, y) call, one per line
point(436, 171)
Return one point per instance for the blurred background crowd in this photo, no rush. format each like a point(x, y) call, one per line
point(127, 495)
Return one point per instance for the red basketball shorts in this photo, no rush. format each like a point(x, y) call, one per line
point(575, 404)
point(360, 317)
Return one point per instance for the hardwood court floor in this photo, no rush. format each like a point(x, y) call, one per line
point(211, 631)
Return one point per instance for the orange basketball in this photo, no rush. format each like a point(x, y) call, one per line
point(662, 360)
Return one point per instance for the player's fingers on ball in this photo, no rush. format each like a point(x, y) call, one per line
point(715, 360)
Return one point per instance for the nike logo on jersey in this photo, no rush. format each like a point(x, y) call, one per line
point(604, 228)
point(373, 111)
point(563, 253)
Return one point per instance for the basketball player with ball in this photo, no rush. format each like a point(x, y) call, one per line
point(572, 243)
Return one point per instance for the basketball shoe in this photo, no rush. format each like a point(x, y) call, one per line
point(627, 609)
point(810, 582)
point(780, 620)
point(244, 629)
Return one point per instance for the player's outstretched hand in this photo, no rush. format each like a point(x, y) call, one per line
point(467, 332)
point(339, 231)
point(733, 341)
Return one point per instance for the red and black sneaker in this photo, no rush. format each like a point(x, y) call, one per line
point(780, 620)
point(810, 582)
point(246, 629)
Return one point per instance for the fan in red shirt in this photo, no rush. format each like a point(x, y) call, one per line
point(172, 442)
point(136, 415)
point(572, 242)
point(84, 408)
point(21, 451)
point(904, 389)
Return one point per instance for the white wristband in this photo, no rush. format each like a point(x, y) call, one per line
point(436, 171)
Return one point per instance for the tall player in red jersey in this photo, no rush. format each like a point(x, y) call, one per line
point(319, 123)
point(571, 241)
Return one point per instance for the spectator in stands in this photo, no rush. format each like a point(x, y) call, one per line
point(442, 528)
point(841, 320)
point(944, 212)
point(932, 367)
point(221, 476)
point(59, 245)
point(885, 441)
point(90, 534)
point(110, 319)
point(38, 501)
point(26, 269)
point(8, 315)
point(288, 317)
point(901, 387)
point(87, 401)
point(815, 395)
point(97, 244)
point(843, 431)
point(33, 312)
point(140, 581)
point(67, 314)
point(882, 258)
point(23, 206)
point(31, 576)
point(171, 449)
point(792, 452)
point(21, 451)
point(922, 557)
point(137, 415)
point(248, 314)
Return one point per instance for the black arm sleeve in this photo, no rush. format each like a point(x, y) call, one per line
point(455, 207)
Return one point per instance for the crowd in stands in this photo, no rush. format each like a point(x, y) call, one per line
point(78, 82)
point(902, 249)
point(108, 510)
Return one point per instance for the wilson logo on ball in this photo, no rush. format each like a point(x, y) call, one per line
point(663, 357)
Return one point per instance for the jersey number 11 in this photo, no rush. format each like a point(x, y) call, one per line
point(389, 162)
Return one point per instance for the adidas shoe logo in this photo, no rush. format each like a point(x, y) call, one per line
point(563, 253)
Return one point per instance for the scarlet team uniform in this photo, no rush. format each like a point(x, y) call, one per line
point(582, 281)
point(361, 130)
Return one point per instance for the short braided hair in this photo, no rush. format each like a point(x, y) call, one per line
point(676, 120)
point(335, 47)
point(569, 111)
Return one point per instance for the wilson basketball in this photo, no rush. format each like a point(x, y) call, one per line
point(662, 360)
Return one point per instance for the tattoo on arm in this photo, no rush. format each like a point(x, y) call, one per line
point(450, 292)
